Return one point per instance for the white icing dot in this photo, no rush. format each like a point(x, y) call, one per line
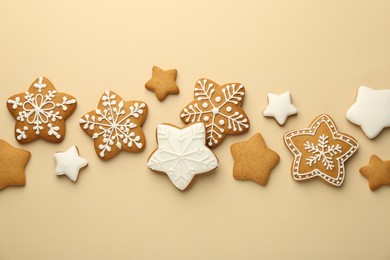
point(229, 109)
point(221, 122)
point(206, 118)
point(218, 99)
point(205, 105)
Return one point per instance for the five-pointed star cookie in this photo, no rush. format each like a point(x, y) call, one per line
point(219, 108)
point(69, 163)
point(371, 110)
point(253, 160)
point(280, 107)
point(115, 125)
point(377, 172)
point(320, 151)
point(12, 164)
point(163, 83)
point(182, 153)
point(41, 112)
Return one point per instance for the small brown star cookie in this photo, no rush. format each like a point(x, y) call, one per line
point(377, 172)
point(40, 112)
point(163, 83)
point(253, 160)
point(320, 151)
point(12, 164)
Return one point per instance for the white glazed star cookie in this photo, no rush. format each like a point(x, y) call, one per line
point(371, 110)
point(69, 163)
point(280, 107)
point(182, 153)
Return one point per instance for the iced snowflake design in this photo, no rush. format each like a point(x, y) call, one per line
point(322, 152)
point(325, 158)
point(114, 124)
point(182, 153)
point(40, 110)
point(217, 107)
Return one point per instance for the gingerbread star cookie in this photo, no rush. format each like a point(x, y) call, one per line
point(115, 125)
point(219, 108)
point(182, 153)
point(320, 151)
point(377, 172)
point(12, 165)
point(253, 160)
point(163, 83)
point(40, 112)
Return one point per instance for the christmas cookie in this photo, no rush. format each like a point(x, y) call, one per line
point(163, 83)
point(219, 108)
point(182, 153)
point(40, 112)
point(371, 111)
point(253, 160)
point(69, 163)
point(320, 151)
point(12, 164)
point(115, 125)
point(280, 107)
point(377, 172)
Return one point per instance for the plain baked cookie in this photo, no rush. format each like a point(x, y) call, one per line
point(320, 151)
point(377, 172)
point(253, 160)
point(219, 108)
point(162, 83)
point(182, 153)
point(116, 125)
point(13, 162)
point(40, 112)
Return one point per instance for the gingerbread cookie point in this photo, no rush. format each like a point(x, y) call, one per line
point(253, 160)
point(41, 112)
point(12, 165)
point(377, 172)
point(219, 108)
point(182, 154)
point(320, 151)
point(115, 125)
point(162, 83)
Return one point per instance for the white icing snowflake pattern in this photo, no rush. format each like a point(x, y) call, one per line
point(322, 152)
point(39, 111)
point(182, 154)
point(115, 123)
point(218, 106)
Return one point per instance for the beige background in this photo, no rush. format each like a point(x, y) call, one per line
point(321, 51)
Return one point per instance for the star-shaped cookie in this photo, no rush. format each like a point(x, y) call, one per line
point(253, 160)
point(371, 110)
point(69, 163)
point(162, 83)
point(12, 165)
point(377, 172)
point(40, 112)
point(182, 153)
point(219, 108)
point(115, 125)
point(320, 151)
point(280, 107)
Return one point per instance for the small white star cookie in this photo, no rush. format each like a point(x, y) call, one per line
point(371, 110)
point(69, 163)
point(182, 153)
point(280, 107)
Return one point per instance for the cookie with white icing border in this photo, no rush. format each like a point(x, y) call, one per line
point(115, 125)
point(320, 151)
point(182, 153)
point(219, 108)
point(40, 112)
